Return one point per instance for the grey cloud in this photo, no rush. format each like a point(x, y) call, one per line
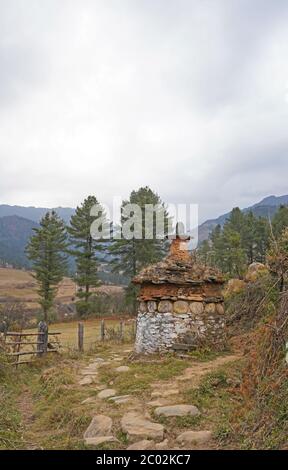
point(186, 96)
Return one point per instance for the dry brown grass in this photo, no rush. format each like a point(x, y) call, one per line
point(20, 286)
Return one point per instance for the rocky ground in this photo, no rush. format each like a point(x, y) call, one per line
point(107, 398)
point(137, 417)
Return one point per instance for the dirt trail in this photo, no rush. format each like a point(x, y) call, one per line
point(167, 393)
point(195, 373)
point(26, 408)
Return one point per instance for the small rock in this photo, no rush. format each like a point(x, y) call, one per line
point(194, 437)
point(120, 399)
point(106, 393)
point(95, 441)
point(86, 381)
point(93, 365)
point(122, 369)
point(136, 425)
point(142, 445)
point(180, 306)
point(165, 306)
point(88, 372)
point(88, 400)
point(196, 307)
point(100, 387)
point(99, 427)
point(162, 445)
point(177, 410)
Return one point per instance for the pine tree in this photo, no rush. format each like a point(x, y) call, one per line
point(262, 234)
point(248, 235)
point(280, 221)
point(204, 252)
point(47, 251)
point(86, 250)
point(234, 259)
point(131, 255)
point(218, 248)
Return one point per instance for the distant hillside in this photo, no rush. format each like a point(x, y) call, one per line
point(17, 222)
point(35, 213)
point(265, 208)
point(14, 233)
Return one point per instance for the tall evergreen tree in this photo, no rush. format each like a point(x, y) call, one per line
point(46, 250)
point(280, 221)
point(131, 255)
point(85, 249)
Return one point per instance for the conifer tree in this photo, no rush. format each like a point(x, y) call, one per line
point(47, 251)
point(85, 249)
point(280, 221)
point(131, 255)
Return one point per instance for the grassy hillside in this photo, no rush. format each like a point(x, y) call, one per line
point(19, 286)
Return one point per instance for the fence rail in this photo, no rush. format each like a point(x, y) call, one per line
point(43, 344)
point(17, 344)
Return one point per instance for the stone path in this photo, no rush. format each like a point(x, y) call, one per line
point(136, 422)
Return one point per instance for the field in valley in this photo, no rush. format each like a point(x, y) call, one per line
point(20, 286)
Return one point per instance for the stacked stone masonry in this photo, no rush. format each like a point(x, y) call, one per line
point(162, 324)
point(180, 301)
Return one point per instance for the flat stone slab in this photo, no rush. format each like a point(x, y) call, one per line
point(136, 425)
point(177, 410)
point(88, 400)
point(120, 399)
point(88, 372)
point(194, 437)
point(100, 426)
point(165, 393)
point(86, 381)
point(122, 369)
point(95, 441)
point(106, 393)
point(142, 445)
point(93, 365)
point(162, 445)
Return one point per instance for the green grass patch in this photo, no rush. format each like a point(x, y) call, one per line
point(142, 374)
point(216, 399)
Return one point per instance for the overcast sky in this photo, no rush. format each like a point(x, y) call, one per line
point(189, 97)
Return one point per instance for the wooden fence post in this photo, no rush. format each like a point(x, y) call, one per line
point(18, 347)
point(121, 330)
point(42, 338)
point(102, 330)
point(80, 337)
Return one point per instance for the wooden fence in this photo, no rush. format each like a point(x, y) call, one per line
point(116, 334)
point(19, 344)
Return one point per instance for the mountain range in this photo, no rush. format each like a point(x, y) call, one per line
point(17, 223)
point(265, 208)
